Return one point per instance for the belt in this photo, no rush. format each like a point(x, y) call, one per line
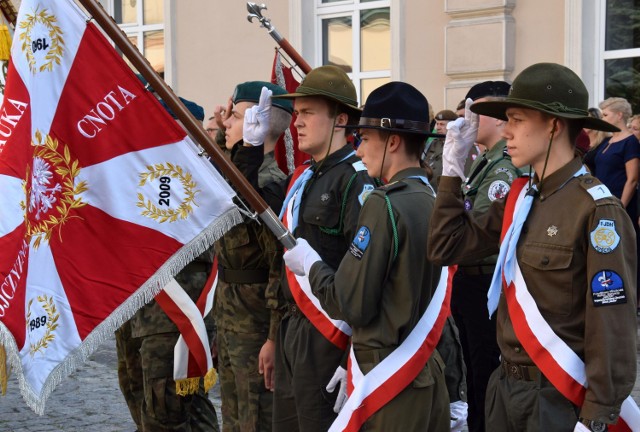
point(521, 372)
point(477, 270)
point(248, 276)
point(198, 267)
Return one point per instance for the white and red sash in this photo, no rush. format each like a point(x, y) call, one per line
point(368, 393)
point(192, 353)
point(335, 331)
point(555, 359)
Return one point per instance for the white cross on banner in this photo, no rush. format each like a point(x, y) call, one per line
point(103, 197)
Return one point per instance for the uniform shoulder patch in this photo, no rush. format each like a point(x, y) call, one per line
point(498, 190)
point(605, 238)
point(366, 190)
point(597, 190)
point(360, 242)
point(607, 288)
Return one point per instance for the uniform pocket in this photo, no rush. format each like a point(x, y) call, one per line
point(555, 262)
point(327, 216)
point(237, 237)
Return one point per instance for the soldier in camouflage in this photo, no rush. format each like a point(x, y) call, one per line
point(246, 307)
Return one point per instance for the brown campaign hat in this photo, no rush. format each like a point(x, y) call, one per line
point(329, 82)
point(550, 88)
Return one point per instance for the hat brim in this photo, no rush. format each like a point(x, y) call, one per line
point(396, 130)
point(497, 109)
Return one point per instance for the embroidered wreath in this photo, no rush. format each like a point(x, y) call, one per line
point(46, 149)
point(54, 51)
point(171, 215)
point(52, 323)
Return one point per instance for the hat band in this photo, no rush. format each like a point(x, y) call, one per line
point(387, 123)
point(555, 107)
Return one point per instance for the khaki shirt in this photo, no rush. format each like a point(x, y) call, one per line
point(561, 267)
point(380, 294)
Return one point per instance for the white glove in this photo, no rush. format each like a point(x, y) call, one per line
point(339, 377)
point(256, 120)
point(461, 134)
point(581, 428)
point(301, 257)
point(458, 411)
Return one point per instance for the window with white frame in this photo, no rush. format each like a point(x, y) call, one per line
point(620, 57)
point(143, 23)
point(356, 36)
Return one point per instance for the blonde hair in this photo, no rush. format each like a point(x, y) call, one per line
point(632, 119)
point(617, 104)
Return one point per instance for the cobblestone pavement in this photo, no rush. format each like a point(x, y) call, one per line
point(90, 400)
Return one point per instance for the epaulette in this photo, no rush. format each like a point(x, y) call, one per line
point(359, 166)
point(598, 191)
point(397, 185)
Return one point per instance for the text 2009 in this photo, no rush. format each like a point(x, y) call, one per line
point(165, 190)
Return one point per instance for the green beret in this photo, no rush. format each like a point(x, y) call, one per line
point(250, 92)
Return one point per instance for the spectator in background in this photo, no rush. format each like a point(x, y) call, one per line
point(634, 125)
point(595, 139)
point(433, 150)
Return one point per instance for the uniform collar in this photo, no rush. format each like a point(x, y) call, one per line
point(558, 179)
point(408, 172)
point(333, 159)
point(496, 151)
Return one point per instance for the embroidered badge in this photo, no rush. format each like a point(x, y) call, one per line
point(158, 181)
point(498, 189)
point(605, 238)
point(607, 288)
point(468, 204)
point(552, 231)
point(366, 190)
point(325, 197)
point(42, 41)
point(41, 327)
point(360, 242)
point(51, 189)
point(506, 172)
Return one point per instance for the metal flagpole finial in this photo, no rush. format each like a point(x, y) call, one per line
point(255, 11)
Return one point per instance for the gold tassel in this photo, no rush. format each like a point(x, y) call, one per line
point(5, 43)
point(3, 370)
point(189, 386)
point(210, 379)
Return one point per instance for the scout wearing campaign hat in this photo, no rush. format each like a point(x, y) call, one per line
point(250, 92)
point(550, 88)
point(397, 107)
point(446, 115)
point(329, 82)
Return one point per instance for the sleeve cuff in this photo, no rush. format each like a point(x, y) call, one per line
point(601, 413)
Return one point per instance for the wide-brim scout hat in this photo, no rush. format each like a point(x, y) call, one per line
point(397, 107)
point(550, 88)
point(250, 92)
point(329, 82)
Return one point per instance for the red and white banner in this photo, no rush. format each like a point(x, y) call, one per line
point(103, 198)
point(369, 393)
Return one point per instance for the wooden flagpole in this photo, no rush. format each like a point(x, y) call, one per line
point(192, 125)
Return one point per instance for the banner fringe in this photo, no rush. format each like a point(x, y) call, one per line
point(4, 376)
point(5, 43)
point(122, 313)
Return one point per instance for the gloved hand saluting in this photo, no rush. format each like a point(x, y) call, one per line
point(461, 135)
point(339, 378)
point(256, 120)
point(301, 257)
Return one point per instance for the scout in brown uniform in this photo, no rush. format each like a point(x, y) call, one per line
point(383, 285)
point(575, 254)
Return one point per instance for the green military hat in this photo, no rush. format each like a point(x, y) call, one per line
point(250, 92)
point(329, 82)
point(446, 115)
point(550, 88)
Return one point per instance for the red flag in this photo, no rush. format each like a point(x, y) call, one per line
point(287, 154)
point(103, 198)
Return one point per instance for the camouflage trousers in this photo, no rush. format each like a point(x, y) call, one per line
point(246, 403)
point(145, 374)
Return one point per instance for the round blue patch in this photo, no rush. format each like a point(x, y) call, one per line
point(607, 288)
